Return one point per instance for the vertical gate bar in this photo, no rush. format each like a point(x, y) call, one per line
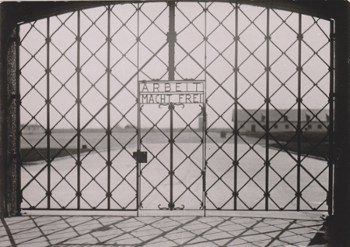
point(235, 162)
point(171, 68)
point(78, 70)
point(18, 124)
point(331, 117)
point(138, 164)
point(109, 107)
point(204, 116)
point(48, 157)
point(171, 40)
point(171, 172)
point(267, 102)
point(299, 112)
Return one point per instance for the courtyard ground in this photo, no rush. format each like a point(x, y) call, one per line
point(239, 229)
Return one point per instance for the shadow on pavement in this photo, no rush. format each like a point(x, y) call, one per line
point(159, 231)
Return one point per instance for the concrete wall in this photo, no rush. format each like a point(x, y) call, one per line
point(2, 115)
point(341, 220)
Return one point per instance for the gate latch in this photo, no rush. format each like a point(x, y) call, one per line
point(140, 157)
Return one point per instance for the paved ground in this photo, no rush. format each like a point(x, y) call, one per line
point(240, 230)
point(63, 180)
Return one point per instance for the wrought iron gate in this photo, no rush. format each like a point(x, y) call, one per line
point(266, 111)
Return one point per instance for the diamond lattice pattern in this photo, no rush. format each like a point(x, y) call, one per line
point(267, 105)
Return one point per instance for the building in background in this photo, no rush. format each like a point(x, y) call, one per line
point(32, 129)
point(253, 120)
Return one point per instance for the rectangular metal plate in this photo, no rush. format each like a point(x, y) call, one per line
point(140, 157)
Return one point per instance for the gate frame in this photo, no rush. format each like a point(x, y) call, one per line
point(12, 14)
point(171, 106)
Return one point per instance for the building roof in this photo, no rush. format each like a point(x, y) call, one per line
point(313, 115)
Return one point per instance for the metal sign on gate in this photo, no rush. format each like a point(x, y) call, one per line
point(176, 92)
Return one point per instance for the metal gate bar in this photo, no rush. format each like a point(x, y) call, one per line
point(48, 157)
point(331, 160)
point(204, 115)
point(235, 131)
point(78, 101)
point(267, 101)
point(138, 172)
point(299, 68)
point(109, 131)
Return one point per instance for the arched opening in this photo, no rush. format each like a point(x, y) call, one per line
point(93, 82)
